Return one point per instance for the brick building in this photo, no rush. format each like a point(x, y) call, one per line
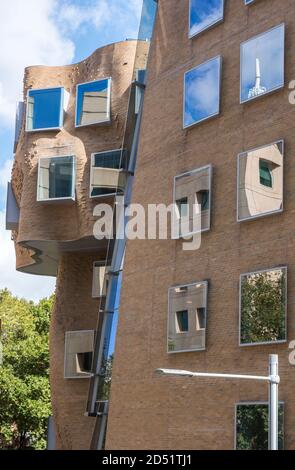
point(216, 137)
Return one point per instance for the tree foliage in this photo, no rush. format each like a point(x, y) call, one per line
point(24, 373)
point(252, 427)
point(263, 307)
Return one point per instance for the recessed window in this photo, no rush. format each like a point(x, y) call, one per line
point(204, 14)
point(260, 181)
point(99, 280)
point(56, 179)
point(182, 321)
point(252, 426)
point(192, 202)
point(202, 92)
point(265, 173)
point(187, 317)
point(108, 174)
point(79, 346)
point(93, 104)
point(262, 63)
point(263, 307)
point(45, 109)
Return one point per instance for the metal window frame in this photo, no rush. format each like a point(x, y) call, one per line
point(205, 283)
point(181, 175)
point(61, 111)
point(106, 121)
point(264, 343)
point(211, 116)
point(244, 154)
point(59, 199)
point(210, 26)
point(278, 87)
point(255, 403)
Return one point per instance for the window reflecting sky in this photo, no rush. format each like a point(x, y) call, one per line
point(44, 108)
point(202, 92)
point(204, 13)
point(268, 48)
point(92, 102)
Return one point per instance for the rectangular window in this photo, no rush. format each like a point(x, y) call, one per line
point(262, 64)
point(192, 206)
point(260, 181)
point(252, 426)
point(202, 92)
point(108, 173)
point(56, 179)
point(263, 307)
point(93, 105)
point(45, 109)
point(182, 321)
point(187, 312)
point(204, 14)
point(99, 281)
point(79, 347)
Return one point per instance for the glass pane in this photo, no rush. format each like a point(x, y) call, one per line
point(93, 103)
point(265, 174)
point(262, 63)
point(202, 92)
point(260, 185)
point(113, 159)
point(182, 321)
point(263, 306)
point(44, 109)
point(252, 427)
point(187, 315)
point(56, 178)
point(182, 205)
point(204, 13)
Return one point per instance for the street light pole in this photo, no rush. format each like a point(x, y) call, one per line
point(272, 379)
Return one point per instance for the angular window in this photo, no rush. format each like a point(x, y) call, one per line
point(45, 109)
point(262, 64)
point(56, 179)
point(93, 105)
point(108, 174)
point(252, 426)
point(12, 210)
point(99, 281)
point(192, 196)
point(263, 307)
point(187, 317)
point(204, 14)
point(78, 354)
point(202, 92)
point(260, 181)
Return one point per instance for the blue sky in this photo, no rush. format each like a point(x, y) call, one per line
point(49, 32)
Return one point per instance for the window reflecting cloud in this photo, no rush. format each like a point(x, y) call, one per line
point(44, 109)
point(202, 92)
point(93, 102)
point(204, 13)
point(262, 63)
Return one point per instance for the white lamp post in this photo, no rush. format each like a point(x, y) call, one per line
point(272, 379)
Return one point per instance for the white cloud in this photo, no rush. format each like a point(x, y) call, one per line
point(104, 15)
point(22, 285)
point(5, 172)
point(30, 36)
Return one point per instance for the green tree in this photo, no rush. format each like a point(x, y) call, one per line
point(24, 373)
point(263, 307)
